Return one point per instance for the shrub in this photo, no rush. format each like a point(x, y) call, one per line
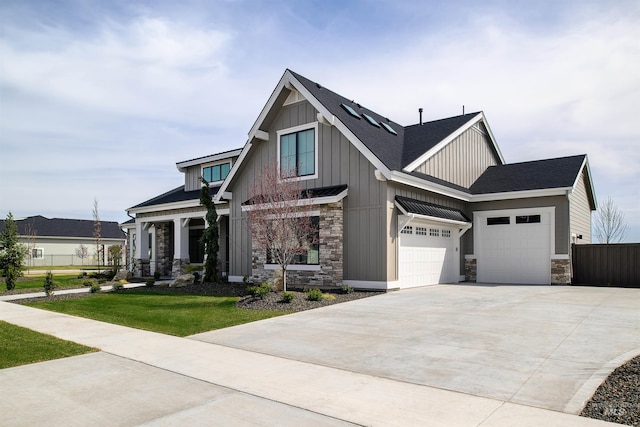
point(49, 285)
point(346, 289)
point(150, 282)
point(196, 277)
point(328, 297)
point(123, 281)
point(260, 291)
point(315, 295)
point(102, 280)
point(288, 297)
point(156, 275)
point(95, 288)
point(88, 282)
point(118, 286)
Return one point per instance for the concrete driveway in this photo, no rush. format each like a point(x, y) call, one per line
point(541, 346)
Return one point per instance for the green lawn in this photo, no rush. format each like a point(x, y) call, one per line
point(36, 282)
point(21, 346)
point(156, 311)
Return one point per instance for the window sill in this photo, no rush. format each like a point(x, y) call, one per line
point(294, 267)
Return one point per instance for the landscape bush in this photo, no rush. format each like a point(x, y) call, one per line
point(287, 297)
point(346, 289)
point(315, 295)
point(150, 282)
point(118, 286)
point(156, 275)
point(259, 291)
point(95, 288)
point(49, 285)
point(89, 282)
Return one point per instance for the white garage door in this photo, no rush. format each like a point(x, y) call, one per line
point(514, 248)
point(426, 255)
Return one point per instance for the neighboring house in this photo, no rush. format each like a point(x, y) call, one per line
point(397, 206)
point(54, 242)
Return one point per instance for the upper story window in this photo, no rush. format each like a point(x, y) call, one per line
point(297, 152)
point(216, 172)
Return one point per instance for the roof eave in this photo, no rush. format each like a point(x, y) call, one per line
point(521, 194)
point(403, 178)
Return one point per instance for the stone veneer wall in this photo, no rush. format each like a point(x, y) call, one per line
point(560, 271)
point(470, 269)
point(164, 257)
point(331, 254)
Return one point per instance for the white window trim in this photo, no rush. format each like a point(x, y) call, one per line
point(208, 165)
point(295, 129)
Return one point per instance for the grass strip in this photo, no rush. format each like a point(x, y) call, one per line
point(157, 311)
point(21, 346)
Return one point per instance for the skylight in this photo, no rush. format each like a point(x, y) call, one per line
point(371, 120)
point(388, 128)
point(350, 111)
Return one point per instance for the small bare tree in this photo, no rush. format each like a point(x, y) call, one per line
point(279, 218)
point(610, 225)
point(96, 231)
point(82, 252)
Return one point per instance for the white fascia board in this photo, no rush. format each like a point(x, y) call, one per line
point(128, 226)
point(306, 202)
point(232, 172)
point(430, 218)
point(585, 167)
point(339, 125)
point(493, 139)
point(413, 181)
point(526, 194)
point(165, 207)
point(282, 84)
point(182, 166)
point(439, 146)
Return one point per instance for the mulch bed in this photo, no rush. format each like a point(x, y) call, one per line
point(618, 397)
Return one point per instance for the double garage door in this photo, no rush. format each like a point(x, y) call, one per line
point(513, 246)
point(427, 255)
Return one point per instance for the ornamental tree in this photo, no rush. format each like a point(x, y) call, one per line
point(279, 218)
point(210, 236)
point(12, 253)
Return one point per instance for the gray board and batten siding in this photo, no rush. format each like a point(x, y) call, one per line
point(464, 159)
point(580, 211)
point(339, 163)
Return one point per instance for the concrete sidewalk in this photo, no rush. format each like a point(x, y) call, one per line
point(148, 378)
point(106, 288)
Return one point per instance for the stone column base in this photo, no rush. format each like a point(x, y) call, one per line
point(560, 271)
point(470, 269)
point(142, 268)
point(178, 267)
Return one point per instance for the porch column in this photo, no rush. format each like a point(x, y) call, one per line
point(181, 245)
point(141, 257)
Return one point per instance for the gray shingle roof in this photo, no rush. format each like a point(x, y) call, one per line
point(62, 227)
point(535, 175)
point(395, 151)
point(176, 195)
point(315, 193)
point(429, 209)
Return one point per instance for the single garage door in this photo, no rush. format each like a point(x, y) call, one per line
point(426, 255)
point(514, 248)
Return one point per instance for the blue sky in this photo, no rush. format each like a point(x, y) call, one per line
point(100, 99)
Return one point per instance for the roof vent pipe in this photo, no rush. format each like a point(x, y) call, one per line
point(420, 113)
